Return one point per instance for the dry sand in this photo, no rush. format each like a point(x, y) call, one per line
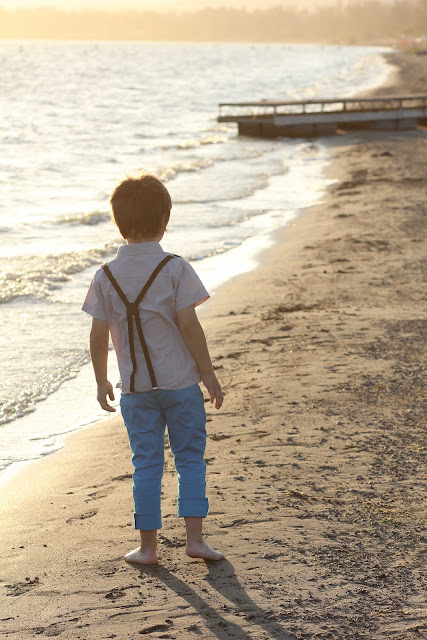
point(314, 463)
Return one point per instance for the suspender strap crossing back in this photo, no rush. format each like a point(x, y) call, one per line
point(133, 312)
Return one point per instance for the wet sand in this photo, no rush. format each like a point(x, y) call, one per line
point(315, 462)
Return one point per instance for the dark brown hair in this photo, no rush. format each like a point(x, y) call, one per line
point(141, 206)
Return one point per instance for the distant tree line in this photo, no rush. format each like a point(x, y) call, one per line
point(361, 22)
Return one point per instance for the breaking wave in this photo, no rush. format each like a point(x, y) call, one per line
point(195, 143)
point(38, 276)
point(39, 389)
point(259, 182)
point(91, 218)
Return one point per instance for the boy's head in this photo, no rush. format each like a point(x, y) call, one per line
point(141, 207)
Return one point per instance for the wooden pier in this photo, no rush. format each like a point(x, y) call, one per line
point(313, 118)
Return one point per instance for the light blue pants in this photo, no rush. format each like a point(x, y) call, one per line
point(145, 416)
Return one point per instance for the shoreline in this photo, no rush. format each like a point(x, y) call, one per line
point(216, 271)
point(319, 355)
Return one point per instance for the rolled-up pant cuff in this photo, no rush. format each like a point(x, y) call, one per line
point(147, 522)
point(195, 507)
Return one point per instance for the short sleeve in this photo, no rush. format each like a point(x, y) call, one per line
point(189, 289)
point(94, 303)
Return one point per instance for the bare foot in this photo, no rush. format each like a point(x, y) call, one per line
point(137, 556)
point(203, 550)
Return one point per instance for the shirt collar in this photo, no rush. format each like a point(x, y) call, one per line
point(139, 248)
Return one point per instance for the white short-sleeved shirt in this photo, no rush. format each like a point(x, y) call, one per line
point(176, 286)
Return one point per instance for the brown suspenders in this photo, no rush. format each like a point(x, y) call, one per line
point(133, 312)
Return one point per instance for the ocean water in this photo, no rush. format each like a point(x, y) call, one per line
point(75, 117)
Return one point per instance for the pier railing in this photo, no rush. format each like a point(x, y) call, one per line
point(268, 108)
point(294, 117)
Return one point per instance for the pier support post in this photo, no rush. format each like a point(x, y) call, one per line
point(250, 129)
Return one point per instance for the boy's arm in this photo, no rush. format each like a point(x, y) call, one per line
point(99, 337)
point(194, 337)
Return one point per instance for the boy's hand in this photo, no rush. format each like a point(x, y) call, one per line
point(194, 338)
point(104, 390)
point(214, 388)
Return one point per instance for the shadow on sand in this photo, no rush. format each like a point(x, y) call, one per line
point(222, 577)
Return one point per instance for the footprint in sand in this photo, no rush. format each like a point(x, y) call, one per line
point(259, 434)
point(96, 495)
point(164, 626)
point(219, 436)
point(54, 629)
point(119, 592)
point(83, 516)
point(18, 588)
point(167, 542)
point(124, 476)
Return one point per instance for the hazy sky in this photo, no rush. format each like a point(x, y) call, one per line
point(161, 4)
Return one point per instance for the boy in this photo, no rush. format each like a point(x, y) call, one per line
point(146, 298)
